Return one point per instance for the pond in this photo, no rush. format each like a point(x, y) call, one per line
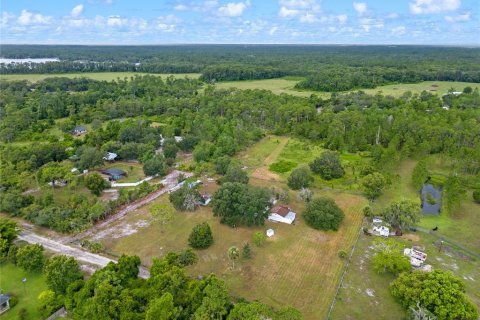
point(431, 197)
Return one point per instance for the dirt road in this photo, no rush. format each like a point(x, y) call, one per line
point(169, 182)
point(81, 255)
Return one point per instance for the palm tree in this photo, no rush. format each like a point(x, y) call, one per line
point(233, 254)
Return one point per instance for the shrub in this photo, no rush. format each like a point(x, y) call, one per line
point(282, 166)
point(373, 185)
point(342, 254)
point(430, 199)
point(323, 214)
point(246, 251)
point(31, 257)
point(201, 236)
point(13, 301)
point(259, 238)
point(476, 196)
point(96, 184)
point(187, 257)
point(328, 165)
point(300, 178)
point(154, 166)
point(367, 211)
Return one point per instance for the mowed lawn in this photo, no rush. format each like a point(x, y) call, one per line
point(11, 282)
point(101, 76)
point(134, 170)
point(298, 266)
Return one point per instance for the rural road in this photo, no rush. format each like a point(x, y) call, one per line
point(81, 255)
point(60, 244)
point(169, 182)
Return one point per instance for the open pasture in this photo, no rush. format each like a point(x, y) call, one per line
point(100, 76)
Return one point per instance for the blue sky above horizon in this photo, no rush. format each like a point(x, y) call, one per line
point(429, 22)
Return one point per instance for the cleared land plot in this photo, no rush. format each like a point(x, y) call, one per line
point(364, 292)
point(11, 282)
point(101, 76)
point(287, 85)
point(277, 86)
point(298, 266)
point(134, 170)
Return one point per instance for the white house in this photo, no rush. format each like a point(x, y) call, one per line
point(282, 213)
point(79, 130)
point(270, 233)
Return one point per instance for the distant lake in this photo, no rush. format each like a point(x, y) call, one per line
point(28, 60)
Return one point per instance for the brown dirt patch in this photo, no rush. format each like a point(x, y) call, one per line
point(264, 174)
point(411, 237)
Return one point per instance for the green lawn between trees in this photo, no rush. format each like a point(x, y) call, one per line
point(11, 282)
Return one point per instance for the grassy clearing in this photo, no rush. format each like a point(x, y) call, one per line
point(277, 86)
point(355, 303)
point(101, 76)
point(11, 282)
point(299, 264)
point(134, 170)
point(436, 87)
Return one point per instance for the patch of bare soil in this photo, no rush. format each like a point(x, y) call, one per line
point(264, 174)
point(411, 237)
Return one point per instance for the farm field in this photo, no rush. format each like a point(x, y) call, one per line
point(298, 262)
point(286, 85)
point(11, 282)
point(101, 76)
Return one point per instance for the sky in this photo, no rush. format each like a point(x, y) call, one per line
point(429, 22)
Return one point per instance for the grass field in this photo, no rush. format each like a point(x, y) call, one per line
point(299, 264)
point(286, 85)
point(11, 282)
point(107, 76)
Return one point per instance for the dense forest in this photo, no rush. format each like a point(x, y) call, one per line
point(214, 123)
point(326, 68)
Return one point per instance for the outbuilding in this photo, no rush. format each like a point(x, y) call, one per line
point(270, 233)
point(79, 130)
point(4, 302)
point(114, 173)
point(282, 213)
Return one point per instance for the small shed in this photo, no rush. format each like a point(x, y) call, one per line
point(381, 231)
point(270, 233)
point(4, 302)
point(281, 213)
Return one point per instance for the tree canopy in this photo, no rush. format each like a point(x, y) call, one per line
point(328, 165)
point(323, 214)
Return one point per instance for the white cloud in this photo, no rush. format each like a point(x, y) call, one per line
point(360, 8)
point(288, 13)
point(233, 9)
point(398, 31)
point(308, 18)
point(342, 18)
point(272, 30)
point(116, 21)
point(367, 24)
point(180, 7)
point(392, 15)
point(6, 18)
point(433, 6)
point(459, 18)
point(27, 18)
point(77, 10)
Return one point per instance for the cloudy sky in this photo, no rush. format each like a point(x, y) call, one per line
point(241, 21)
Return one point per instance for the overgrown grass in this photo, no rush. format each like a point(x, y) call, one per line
point(282, 166)
point(11, 282)
point(101, 76)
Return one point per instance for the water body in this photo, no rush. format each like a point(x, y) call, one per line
point(28, 60)
point(436, 193)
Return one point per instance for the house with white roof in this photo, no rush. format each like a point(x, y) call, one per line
point(282, 213)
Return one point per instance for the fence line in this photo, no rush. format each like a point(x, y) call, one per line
point(345, 271)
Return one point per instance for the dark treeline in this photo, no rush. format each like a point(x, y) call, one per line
point(214, 123)
point(327, 68)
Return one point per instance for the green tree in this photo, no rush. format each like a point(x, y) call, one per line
point(402, 214)
point(222, 164)
point(323, 214)
point(161, 308)
point(185, 198)
point(305, 195)
point(440, 292)
point(246, 251)
point(60, 271)
point(30, 257)
point(89, 157)
point(476, 196)
point(235, 174)
point(170, 150)
point(8, 233)
point(233, 254)
point(389, 257)
point(48, 303)
point(215, 302)
point(259, 238)
point(54, 171)
point(300, 178)
point(419, 174)
point(237, 204)
point(155, 166)
point(373, 185)
point(201, 236)
point(328, 165)
point(95, 183)
point(454, 193)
